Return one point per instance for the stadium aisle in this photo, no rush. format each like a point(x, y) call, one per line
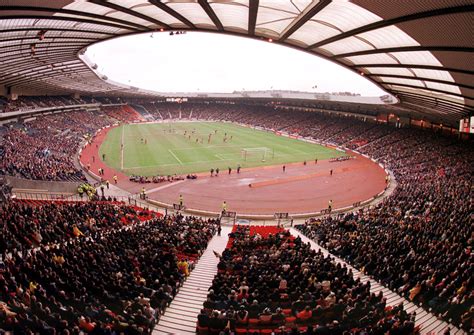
point(181, 316)
point(429, 323)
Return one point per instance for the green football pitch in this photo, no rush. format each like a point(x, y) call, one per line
point(168, 150)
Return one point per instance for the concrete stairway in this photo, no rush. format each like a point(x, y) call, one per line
point(429, 323)
point(181, 316)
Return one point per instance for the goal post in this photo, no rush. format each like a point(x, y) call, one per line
point(262, 153)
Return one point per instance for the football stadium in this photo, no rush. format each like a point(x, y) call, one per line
point(146, 190)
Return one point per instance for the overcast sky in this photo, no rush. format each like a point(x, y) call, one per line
point(206, 62)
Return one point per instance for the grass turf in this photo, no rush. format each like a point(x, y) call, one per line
point(168, 151)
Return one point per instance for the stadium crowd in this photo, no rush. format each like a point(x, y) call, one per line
point(25, 226)
point(419, 240)
point(112, 277)
point(44, 148)
point(270, 280)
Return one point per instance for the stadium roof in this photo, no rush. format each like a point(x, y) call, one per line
point(419, 51)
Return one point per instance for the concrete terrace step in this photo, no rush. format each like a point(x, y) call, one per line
point(428, 322)
point(181, 316)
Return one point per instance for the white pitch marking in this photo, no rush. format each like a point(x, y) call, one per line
point(171, 152)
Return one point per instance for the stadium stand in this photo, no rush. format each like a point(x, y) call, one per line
point(268, 280)
point(424, 229)
point(95, 268)
point(103, 267)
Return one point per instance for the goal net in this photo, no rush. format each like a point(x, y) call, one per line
point(256, 154)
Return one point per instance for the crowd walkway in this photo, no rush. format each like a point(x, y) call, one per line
point(181, 316)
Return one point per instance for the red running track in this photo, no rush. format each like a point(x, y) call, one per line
point(353, 180)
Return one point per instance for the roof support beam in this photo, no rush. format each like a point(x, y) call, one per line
point(123, 23)
point(172, 12)
point(436, 100)
point(14, 65)
point(25, 49)
point(307, 14)
point(396, 20)
point(426, 88)
point(421, 78)
point(253, 11)
point(404, 49)
point(46, 40)
point(69, 19)
point(44, 52)
point(40, 77)
point(413, 66)
point(421, 103)
point(210, 12)
point(41, 70)
point(55, 29)
point(129, 12)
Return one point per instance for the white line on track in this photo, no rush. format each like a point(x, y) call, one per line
point(171, 152)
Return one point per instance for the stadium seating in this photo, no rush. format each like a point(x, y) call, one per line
point(92, 267)
point(269, 281)
point(418, 241)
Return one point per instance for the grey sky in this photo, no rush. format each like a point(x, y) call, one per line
point(205, 62)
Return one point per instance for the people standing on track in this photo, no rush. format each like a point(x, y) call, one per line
point(107, 184)
point(230, 170)
point(115, 179)
point(219, 229)
point(181, 200)
point(238, 168)
point(330, 206)
point(224, 207)
point(217, 172)
point(316, 161)
point(212, 172)
point(284, 168)
point(103, 157)
point(330, 172)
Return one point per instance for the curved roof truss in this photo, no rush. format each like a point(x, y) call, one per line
point(421, 52)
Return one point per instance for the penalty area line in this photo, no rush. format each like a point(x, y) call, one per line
point(176, 157)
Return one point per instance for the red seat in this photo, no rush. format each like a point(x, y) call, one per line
point(254, 322)
point(266, 331)
point(290, 319)
point(253, 332)
point(287, 311)
point(241, 331)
